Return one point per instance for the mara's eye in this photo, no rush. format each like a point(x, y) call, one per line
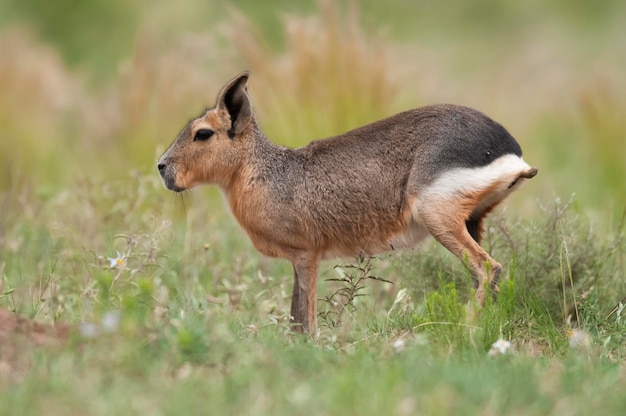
point(203, 134)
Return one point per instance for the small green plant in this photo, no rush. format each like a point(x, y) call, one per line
point(352, 280)
point(444, 319)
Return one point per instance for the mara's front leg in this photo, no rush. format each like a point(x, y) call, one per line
point(304, 297)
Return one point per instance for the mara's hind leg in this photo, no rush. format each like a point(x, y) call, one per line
point(452, 225)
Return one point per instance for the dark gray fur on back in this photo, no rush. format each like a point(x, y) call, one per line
point(436, 138)
point(413, 146)
point(465, 138)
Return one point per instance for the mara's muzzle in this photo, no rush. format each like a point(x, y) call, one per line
point(168, 175)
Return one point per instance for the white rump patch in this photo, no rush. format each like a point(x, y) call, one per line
point(504, 173)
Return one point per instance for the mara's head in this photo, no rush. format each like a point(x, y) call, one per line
point(207, 150)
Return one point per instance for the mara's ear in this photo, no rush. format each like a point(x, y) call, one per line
point(234, 99)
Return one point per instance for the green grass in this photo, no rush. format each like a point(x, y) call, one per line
point(305, 377)
point(203, 318)
point(204, 326)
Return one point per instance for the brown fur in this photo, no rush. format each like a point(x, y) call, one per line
point(363, 192)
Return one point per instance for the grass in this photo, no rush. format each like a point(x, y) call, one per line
point(203, 323)
point(171, 310)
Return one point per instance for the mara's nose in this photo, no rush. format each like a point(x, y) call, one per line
point(161, 167)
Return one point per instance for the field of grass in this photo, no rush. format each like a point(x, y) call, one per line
point(133, 300)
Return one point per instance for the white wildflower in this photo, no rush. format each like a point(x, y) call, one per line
point(579, 338)
point(399, 345)
point(117, 262)
point(500, 347)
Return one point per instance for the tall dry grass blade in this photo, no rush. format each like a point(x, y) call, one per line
point(332, 76)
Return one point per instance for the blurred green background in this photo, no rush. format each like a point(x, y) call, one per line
point(93, 91)
point(99, 88)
